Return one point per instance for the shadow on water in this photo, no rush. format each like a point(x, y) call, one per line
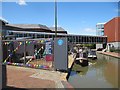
point(69, 71)
point(75, 69)
point(102, 72)
point(13, 88)
point(79, 69)
point(77, 62)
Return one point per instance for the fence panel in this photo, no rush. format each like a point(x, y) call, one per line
point(34, 53)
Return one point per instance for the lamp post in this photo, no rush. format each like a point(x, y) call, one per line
point(55, 18)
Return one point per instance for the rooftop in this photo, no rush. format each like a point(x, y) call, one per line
point(101, 23)
point(3, 20)
point(29, 26)
point(58, 29)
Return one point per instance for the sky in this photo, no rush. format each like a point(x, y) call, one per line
point(76, 17)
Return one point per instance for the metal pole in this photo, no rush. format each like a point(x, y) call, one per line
point(55, 18)
point(24, 52)
point(3, 78)
point(55, 28)
point(1, 58)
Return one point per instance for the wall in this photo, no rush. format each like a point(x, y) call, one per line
point(109, 28)
point(115, 44)
point(112, 31)
point(99, 46)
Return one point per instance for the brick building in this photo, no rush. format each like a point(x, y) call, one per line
point(112, 31)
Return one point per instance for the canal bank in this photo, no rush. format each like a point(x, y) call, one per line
point(71, 60)
point(25, 77)
point(113, 54)
point(98, 72)
point(101, 73)
point(21, 77)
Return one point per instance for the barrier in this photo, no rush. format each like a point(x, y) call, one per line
point(35, 53)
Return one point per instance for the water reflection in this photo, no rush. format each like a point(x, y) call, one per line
point(102, 73)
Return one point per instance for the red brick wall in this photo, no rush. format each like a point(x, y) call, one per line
point(112, 30)
point(118, 29)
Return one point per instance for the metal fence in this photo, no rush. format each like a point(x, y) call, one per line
point(35, 53)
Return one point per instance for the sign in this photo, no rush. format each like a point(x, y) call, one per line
point(60, 42)
point(60, 54)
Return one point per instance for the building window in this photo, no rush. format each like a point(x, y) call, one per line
point(38, 35)
point(20, 35)
point(25, 35)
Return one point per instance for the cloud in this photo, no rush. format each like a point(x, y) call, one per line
point(21, 2)
point(89, 30)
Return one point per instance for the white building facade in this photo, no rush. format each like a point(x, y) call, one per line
point(100, 29)
point(99, 32)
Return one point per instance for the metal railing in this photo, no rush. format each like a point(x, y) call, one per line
point(35, 53)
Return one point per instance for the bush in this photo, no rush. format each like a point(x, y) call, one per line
point(115, 50)
point(112, 50)
point(92, 46)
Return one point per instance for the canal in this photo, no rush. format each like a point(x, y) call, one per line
point(101, 73)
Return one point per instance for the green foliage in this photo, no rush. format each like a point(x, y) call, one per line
point(115, 50)
point(92, 46)
point(112, 50)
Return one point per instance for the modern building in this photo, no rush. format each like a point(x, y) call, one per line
point(28, 30)
point(112, 31)
point(100, 29)
point(14, 33)
point(100, 32)
point(33, 31)
point(59, 30)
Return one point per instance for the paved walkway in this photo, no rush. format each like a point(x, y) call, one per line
point(110, 54)
point(21, 77)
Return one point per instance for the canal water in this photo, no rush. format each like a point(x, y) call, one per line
point(101, 73)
